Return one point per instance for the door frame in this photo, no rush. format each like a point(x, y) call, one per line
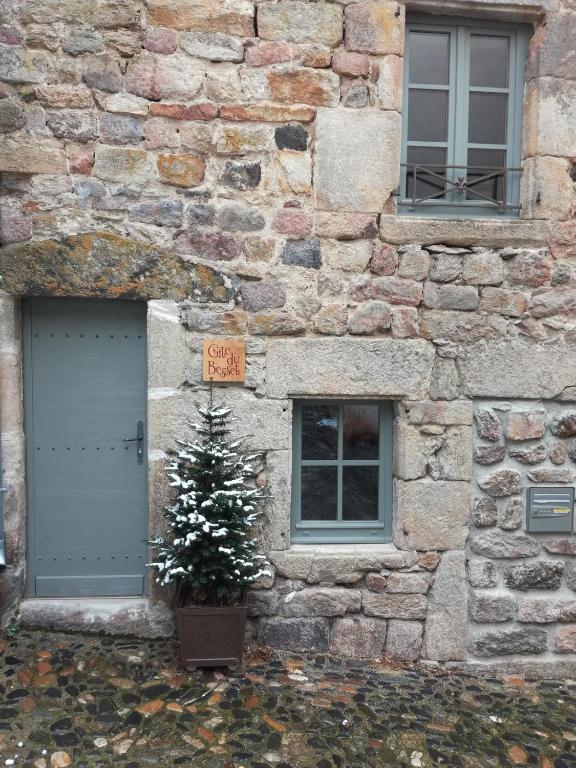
point(29, 587)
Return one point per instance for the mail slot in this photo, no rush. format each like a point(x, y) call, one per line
point(550, 510)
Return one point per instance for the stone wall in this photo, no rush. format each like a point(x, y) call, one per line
point(235, 165)
point(522, 584)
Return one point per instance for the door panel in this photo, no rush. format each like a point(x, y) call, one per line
point(85, 381)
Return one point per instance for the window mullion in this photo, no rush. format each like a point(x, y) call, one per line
point(460, 143)
point(340, 456)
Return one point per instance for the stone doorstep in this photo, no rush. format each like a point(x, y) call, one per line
point(107, 615)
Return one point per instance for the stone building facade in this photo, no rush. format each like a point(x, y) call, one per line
point(236, 164)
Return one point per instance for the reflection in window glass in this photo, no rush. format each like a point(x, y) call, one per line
point(427, 115)
point(487, 118)
point(426, 181)
point(481, 163)
point(488, 61)
point(319, 432)
point(319, 493)
point(360, 493)
point(429, 58)
point(361, 431)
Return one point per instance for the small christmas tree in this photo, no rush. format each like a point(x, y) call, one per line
point(210, 555)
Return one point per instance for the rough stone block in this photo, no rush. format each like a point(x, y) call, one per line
point(528, 454)
point(413, 451)
point(322, 601)
point(160, 213)
point(439, 412)
point(452, 325)
point(482, 573)
point(119, 129)
point(347, 140)
point(484, 268)
point(375, 28)
point(370, 317)
point(357, 367)
point(358, 637)
point(395, 290)
point(453, 461)
point(302, 253)
point(263, 602)
point(300, 22)
point(414, 263)
point(498, 544)
point(292, 221)
point(404, 639)
point(509, 642)
point(24, 153)
point(431, 514)
point(491, 608)
point(503, 302)
point(214, 46)
point(408, 583)
point(345, 226)
point(181, 170)
point(554, 475)
point(564, 425)
point(445, 628)
point(488, 424)
point(262, 295)
point(484, 512)
point(502, 482)
point(333, 569)
point(300, 85)
point(461, 297)
point(489, 454)
point(526, 425)
point(121, 165)
point(235, 17)
point(541, 575)
point(560, 546)
point(299, 634)
point(565, 640)
point(165, 77)
point(546, 611)
point(511, 514)
point(394, 606)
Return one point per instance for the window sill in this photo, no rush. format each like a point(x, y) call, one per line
point(496, 233)
point(338, 563)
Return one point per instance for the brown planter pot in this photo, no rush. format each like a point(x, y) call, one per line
point(211, 637)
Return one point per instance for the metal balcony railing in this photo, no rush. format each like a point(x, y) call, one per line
point(459, 185)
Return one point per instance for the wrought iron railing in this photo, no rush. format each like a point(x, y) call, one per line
point(459, 185)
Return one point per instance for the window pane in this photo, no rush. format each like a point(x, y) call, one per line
point(427, 115)
point(429, 58)
point(361, 431)
point(319, 432)
point(487, 118)
point(426, 184)
point(489, 61)
point(319, 493)
point(360, 493)
point(481, 162)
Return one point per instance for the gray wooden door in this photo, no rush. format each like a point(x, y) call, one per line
point(85, 393)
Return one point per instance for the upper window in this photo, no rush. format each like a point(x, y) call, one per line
point(342, 471)
point(463, 89)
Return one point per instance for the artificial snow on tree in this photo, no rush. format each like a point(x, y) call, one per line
point(209, 554)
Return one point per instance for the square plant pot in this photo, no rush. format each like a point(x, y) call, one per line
point(211, 636)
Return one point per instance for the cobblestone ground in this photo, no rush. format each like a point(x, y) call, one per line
point(93, 701)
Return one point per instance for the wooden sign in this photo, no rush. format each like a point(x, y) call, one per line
point(224, 360)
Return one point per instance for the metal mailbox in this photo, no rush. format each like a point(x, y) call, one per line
point(550, 510)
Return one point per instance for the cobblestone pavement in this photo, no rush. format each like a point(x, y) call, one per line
point(94, 701)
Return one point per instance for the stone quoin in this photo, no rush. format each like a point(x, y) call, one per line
point(242, 169)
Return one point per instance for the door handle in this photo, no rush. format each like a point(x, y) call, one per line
point(139, 440)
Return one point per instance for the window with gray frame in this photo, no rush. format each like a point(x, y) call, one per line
point(342, 471)
point(462, 127)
